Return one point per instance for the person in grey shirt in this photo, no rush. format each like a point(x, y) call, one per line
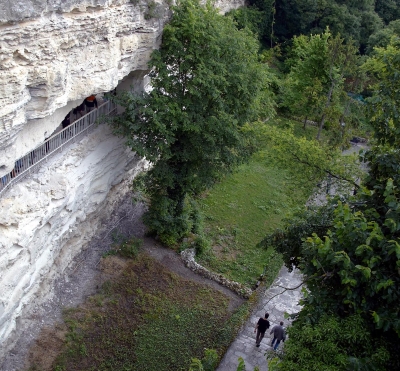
point(279, 335)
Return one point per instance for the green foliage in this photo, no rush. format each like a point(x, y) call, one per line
point(382, 37)
point(204, 91)
point(351, 266)
point(308, 160)
point(258, 18)
point(196, 365)
point(241, 365)
point(383, 106)
point(351, 269)
point(241, 208)
point(201, 244)
point(315, 88)
point(210, 360)
point(130, 249)
point(237, 211)
point(288, 241)
point(126, 247)
point(355, 20)
point(388, 10)
point(332, 343)
point(151, 10)
point(143, 322)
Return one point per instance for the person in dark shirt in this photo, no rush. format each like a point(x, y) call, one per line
point(279, 335)
point(67, 121)
point(261, 327)
point(79, 110)
point(90, 103)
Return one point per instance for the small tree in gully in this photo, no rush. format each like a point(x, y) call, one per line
point(207, 83)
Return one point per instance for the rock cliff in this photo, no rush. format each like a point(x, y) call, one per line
point(54, 53)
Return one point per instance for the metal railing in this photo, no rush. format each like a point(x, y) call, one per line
point(28, 163)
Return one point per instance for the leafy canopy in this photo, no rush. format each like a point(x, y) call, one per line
point(351, 259)
point(207, 83)
point(322, 69)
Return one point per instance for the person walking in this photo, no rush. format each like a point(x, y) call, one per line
point(279, 335)
point(261, 327)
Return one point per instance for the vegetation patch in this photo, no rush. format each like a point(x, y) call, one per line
point(147, 318)
point(246, 205)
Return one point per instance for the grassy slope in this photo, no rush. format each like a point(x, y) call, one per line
point(246, 206)
point(148, 319)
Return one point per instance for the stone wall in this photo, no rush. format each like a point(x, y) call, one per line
point(188, 257)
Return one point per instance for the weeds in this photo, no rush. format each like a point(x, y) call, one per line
point(151, 11)
point(143, 322)
point(127, 248)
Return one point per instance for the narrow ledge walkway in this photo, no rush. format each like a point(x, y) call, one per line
point(245, 344)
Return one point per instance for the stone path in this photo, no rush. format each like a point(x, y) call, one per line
point(245, 345)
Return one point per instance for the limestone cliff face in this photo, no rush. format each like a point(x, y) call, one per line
point(54, 53)
point(71, 50)
point(47, 219)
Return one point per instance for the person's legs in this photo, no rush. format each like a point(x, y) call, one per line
point(259, 337)
point(277, 344)
point(273, 341)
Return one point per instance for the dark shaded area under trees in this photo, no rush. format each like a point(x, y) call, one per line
point(278, 21)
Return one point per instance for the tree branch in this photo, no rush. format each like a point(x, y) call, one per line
point(287, 289)
point(324, 170)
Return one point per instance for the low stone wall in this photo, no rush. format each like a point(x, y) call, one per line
point(188, 256)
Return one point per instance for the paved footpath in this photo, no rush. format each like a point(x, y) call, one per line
point(245, 344)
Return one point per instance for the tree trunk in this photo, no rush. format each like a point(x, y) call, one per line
point(328, 103)
point(321, 126)
point(305, 123)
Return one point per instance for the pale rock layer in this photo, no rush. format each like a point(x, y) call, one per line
point(42, 219)
point(54, 53)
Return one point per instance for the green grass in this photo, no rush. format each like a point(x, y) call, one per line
point(148, 319)
point(243, 208)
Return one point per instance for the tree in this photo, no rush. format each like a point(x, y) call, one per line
point(388, 10)
point(384, 67)
point(207, 83)
point(354, 20)
point(303, 88)
point(331, 344)
point(351, 262)
point(315, 85)
point(382, 37)
point(312, 161)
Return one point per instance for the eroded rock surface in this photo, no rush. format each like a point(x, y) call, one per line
point(45, 220)
point(53, 54)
